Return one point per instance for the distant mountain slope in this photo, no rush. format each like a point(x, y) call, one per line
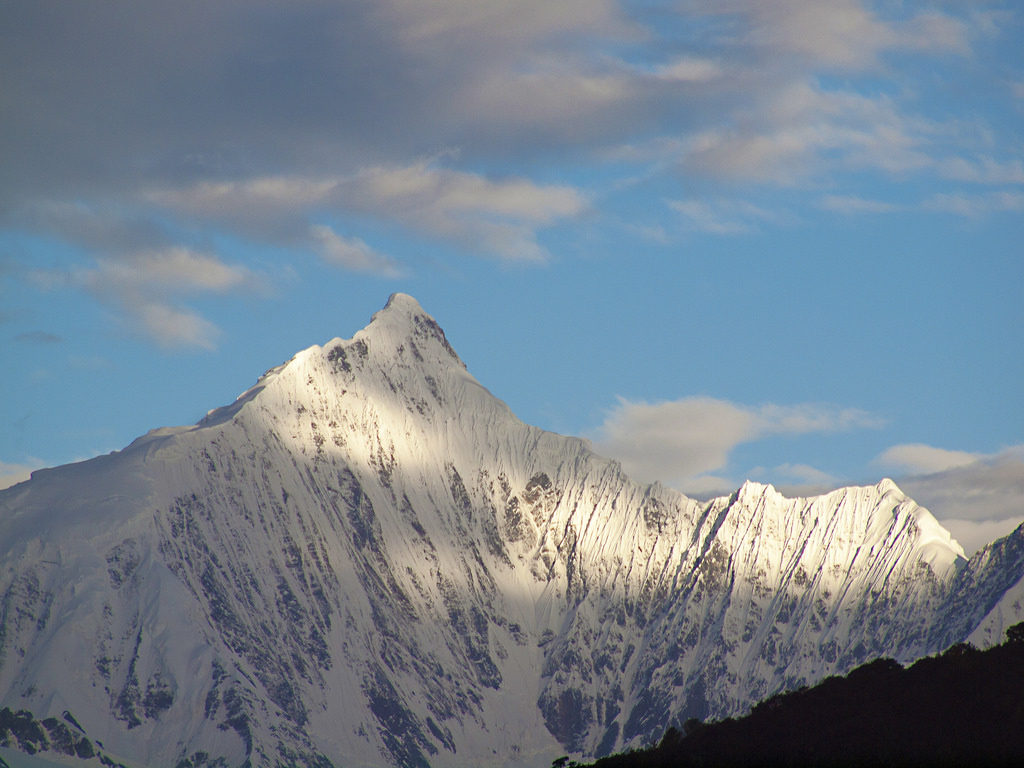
point(367, 559)
point(963, 708)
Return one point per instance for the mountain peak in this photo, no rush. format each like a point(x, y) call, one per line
point(402, 303)
point(403, 323)
point(400, 311)
point(402, 329)
point(888, 485)
point(752, 490)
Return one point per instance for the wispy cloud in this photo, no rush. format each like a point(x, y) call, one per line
point(975, 206)
point(499, 217)
point(971, 206)
point(721, 216)
point(686, 443)
point(172, 270)
point(352, 253)
point(148, 289)
point(134, 266)
point(840, 34)
point(983, 170)
point(917, 458)
point(798, 131)
point(779, 118)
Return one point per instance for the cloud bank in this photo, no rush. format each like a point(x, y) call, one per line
point(288, 124)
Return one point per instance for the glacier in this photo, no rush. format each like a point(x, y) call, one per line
point(368, 560)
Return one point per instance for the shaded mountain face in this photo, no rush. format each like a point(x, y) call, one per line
point(367, 559)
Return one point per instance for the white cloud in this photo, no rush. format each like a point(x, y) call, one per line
point(376, 82)
point(561, 103)
point(683, 442)
point(444, 193)
point(352, 253)
point(259, 196)
point(782, 157)
point(172, 326)
point(660, 150)
point(674, 440)
point(803, 419)
point(838, 34)
point(804, 474)
point(977, 496)
point(773, 118)
point(147, 279)
point(794, 131)
point(497, 217)
point(918, 458)
point(147, 289)
point(172, 270)
point(339, 83)
point(975, 534)
point(130, 263)
point(526, 70)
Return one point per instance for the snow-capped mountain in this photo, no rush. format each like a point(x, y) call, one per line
point(367, 559)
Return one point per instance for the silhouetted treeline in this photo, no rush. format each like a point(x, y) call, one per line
point(963, 708)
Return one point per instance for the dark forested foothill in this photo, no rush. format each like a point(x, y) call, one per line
point(964, 707)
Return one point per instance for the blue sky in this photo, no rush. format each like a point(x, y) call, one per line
point(778, 240)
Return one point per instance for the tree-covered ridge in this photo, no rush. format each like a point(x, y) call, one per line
point(964, 707)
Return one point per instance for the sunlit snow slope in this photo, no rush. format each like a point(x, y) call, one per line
point(369, 560)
